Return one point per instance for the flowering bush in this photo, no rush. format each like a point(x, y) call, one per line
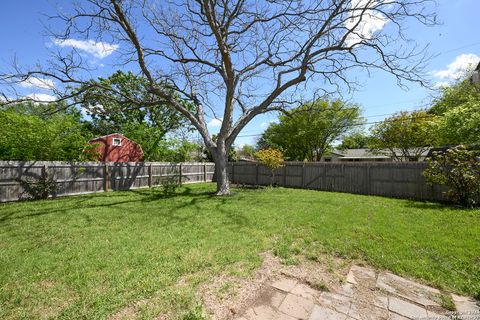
point(459, 170)
point(270, 158)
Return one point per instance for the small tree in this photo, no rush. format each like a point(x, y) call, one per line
point(270, 158)
point(405, 135)
point(459, 170)
point(306, 132)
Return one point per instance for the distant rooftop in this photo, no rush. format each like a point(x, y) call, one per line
point(367, 153)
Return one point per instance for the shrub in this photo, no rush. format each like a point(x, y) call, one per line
point(170, 185)
point(39, 188)
point(459, 170)
point(270, 158)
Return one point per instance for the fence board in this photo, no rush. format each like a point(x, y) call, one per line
point(89, 177)
point(391, 179)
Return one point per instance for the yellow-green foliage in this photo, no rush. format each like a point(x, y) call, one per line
point(270, 158)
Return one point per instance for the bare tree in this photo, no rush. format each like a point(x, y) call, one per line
point(237, 59)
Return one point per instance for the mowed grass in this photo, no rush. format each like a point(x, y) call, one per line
point(93, 256)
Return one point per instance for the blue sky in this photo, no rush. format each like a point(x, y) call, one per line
point(454, 43)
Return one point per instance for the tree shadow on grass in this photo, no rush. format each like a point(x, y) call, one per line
point(142, 196)
point(438, 206)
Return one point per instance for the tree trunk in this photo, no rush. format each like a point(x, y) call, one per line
point(220, 157)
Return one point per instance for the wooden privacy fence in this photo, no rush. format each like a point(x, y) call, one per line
point(90, 177)
point(390, 179)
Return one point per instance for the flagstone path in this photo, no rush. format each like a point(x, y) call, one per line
point(366, 294)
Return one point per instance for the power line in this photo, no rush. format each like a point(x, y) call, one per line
point(353, 125)
point(390, 104)
point(459, 48)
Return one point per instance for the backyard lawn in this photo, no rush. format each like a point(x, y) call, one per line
point(90, 256)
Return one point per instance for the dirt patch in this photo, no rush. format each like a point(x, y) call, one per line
point(128, 312)
point(225, 297)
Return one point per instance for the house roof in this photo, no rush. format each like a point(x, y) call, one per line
point(368, 153)
point(358, 153)
point(108, 135)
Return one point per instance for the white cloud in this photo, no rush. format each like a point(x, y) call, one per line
point(441, 84)
point(39, 83)
point(459, 68)
point(215, 123)
point(41, 97)
point(368, 22)
point(97, 49)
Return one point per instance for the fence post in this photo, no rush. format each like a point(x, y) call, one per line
point(233, 172)
point(150, 176)
point(368, 180)
point(284, 175)
point(180, 174)
point(44, 172)
point(256, 174)
point(105, 178)
point(303, 175)
point(204, 172)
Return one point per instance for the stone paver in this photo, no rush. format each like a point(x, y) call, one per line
point(408, 289)
point(465, 304)
point(363, 272)
point(284, 284)
point(365, 295)
point(406, 309)
point(351, 277)
point(297, 307)
point(307, 292)
point(322, 313)
point(335, 302)
point(277, 298)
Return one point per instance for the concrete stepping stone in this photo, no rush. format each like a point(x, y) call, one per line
point(466, 304)
point(285, 284)
point(408, 289)
point(334, 301)
point(305, 291)
point(322, 313)
point(406, 309)
point(297, 307)
point(363, 272)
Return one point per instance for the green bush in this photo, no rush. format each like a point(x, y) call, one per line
point(170, 185)
point(459, 170)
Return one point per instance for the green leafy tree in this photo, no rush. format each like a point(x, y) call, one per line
point(246, 151)
point(176, 150)
point(28, 133)
point(355, 140)
point(122, 103)
point(405, 135)
point(460, 125)
point(459, 170)
point(309, 130)
point(270, 158)
point(454, 96)
point(458, 109)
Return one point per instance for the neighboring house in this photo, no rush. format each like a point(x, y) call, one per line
point(475, 78)
point(116, 147)
point(367, 155)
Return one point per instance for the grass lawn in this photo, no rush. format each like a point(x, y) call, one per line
point(90, 256)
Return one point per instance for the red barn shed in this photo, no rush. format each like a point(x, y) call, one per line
point(116, 147)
